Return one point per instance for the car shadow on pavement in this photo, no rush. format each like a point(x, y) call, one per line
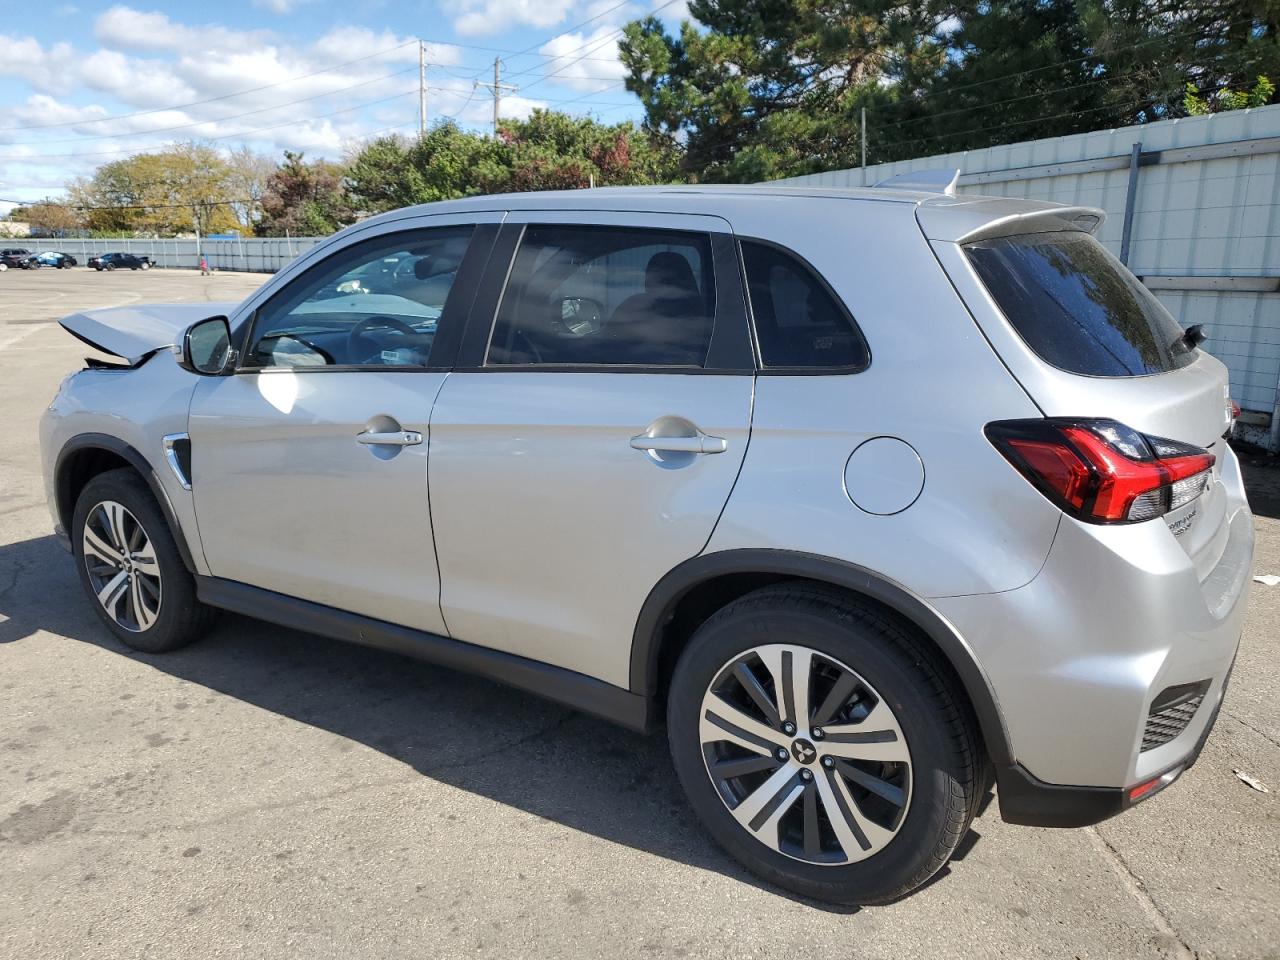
point(1261, 473)
point(470, 733)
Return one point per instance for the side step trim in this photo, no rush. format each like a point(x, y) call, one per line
point(554, 683)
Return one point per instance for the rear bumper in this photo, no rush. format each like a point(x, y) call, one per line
point(1027, 800)
point(1083, 659)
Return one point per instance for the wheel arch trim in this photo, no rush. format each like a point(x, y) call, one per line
point(83, 442)
point(663, 599)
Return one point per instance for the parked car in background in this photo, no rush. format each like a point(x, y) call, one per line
point(877, 496)
point(18, 257)
point(119, 261)
point(51, 258)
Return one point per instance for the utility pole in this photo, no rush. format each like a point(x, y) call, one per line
point(422, 89)
point(496, 89)
point(497, 92)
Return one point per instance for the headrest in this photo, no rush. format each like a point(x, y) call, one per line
point(669, 274)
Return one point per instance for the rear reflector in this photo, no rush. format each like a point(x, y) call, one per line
point(1101, 471)
point(1153, 786)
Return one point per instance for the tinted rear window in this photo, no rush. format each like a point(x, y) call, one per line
point(1077, 307)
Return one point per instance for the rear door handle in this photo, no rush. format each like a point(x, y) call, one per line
point(699, 444)
point(393, 438)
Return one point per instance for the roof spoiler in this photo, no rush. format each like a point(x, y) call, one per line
point(1085, 219)
point(926, 181)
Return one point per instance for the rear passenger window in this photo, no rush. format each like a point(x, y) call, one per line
point(799, 322)
point(581, 295)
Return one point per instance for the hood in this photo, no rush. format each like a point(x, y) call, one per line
point(134, 332)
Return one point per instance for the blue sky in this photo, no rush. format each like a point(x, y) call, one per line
point(87, 84)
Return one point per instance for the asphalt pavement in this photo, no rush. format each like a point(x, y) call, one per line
point(266, 793)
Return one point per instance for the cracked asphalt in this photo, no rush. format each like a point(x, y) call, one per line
point(267, 793)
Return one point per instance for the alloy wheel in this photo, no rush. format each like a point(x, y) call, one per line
point(805, 754)
point(123, 570)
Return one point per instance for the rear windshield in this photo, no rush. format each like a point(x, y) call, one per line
point(1077, 307)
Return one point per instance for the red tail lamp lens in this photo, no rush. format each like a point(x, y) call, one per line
point(1058, 466)
point(1102, 471)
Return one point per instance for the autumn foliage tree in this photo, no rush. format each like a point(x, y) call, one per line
point(302, 198)
point(547, 151)
point(184, 188)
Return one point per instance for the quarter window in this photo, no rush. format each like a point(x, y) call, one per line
point(605, 295)
point(376, 304)
point(799, 323)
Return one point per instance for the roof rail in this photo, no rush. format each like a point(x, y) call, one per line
point(926, 181)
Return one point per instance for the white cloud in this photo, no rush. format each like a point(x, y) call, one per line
point(479, 17)
point(583, 61)
point(124, 28)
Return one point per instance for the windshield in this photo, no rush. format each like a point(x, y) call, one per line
point(1078, 307)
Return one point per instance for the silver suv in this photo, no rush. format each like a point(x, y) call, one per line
point(880, 498)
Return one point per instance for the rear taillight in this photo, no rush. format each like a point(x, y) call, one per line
point(1101, 471)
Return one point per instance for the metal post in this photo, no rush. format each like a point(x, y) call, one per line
point(1135, 157)
point(497, 92)
point(863, 124)
point(496, 89)
point(422, 89)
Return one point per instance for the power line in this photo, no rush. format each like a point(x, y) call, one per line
point(1093, 55)
point(998, 103)
point(1014, 123)
point(568, 30)
point(593, 46)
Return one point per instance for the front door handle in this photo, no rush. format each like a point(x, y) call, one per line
point(392, 438)
point(699, 444)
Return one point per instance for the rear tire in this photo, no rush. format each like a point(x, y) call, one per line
point(130, 567)
point(913, 796)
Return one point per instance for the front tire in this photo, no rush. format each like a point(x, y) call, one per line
point(130, 567)
point(822, 744)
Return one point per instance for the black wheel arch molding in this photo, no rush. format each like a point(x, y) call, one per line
point(663, 600)
point(64, 476)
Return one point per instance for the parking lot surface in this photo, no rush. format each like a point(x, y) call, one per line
point(267, 793)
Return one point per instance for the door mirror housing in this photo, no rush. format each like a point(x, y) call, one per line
point(581, 315)
point(206, 348)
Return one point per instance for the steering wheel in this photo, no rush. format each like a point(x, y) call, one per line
point(378, 320)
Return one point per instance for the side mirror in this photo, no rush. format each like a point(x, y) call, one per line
point(206, 348)
point(581, 316)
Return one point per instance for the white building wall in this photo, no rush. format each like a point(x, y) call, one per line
point(1211, 222)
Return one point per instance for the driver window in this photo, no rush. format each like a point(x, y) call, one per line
point(373, 304)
